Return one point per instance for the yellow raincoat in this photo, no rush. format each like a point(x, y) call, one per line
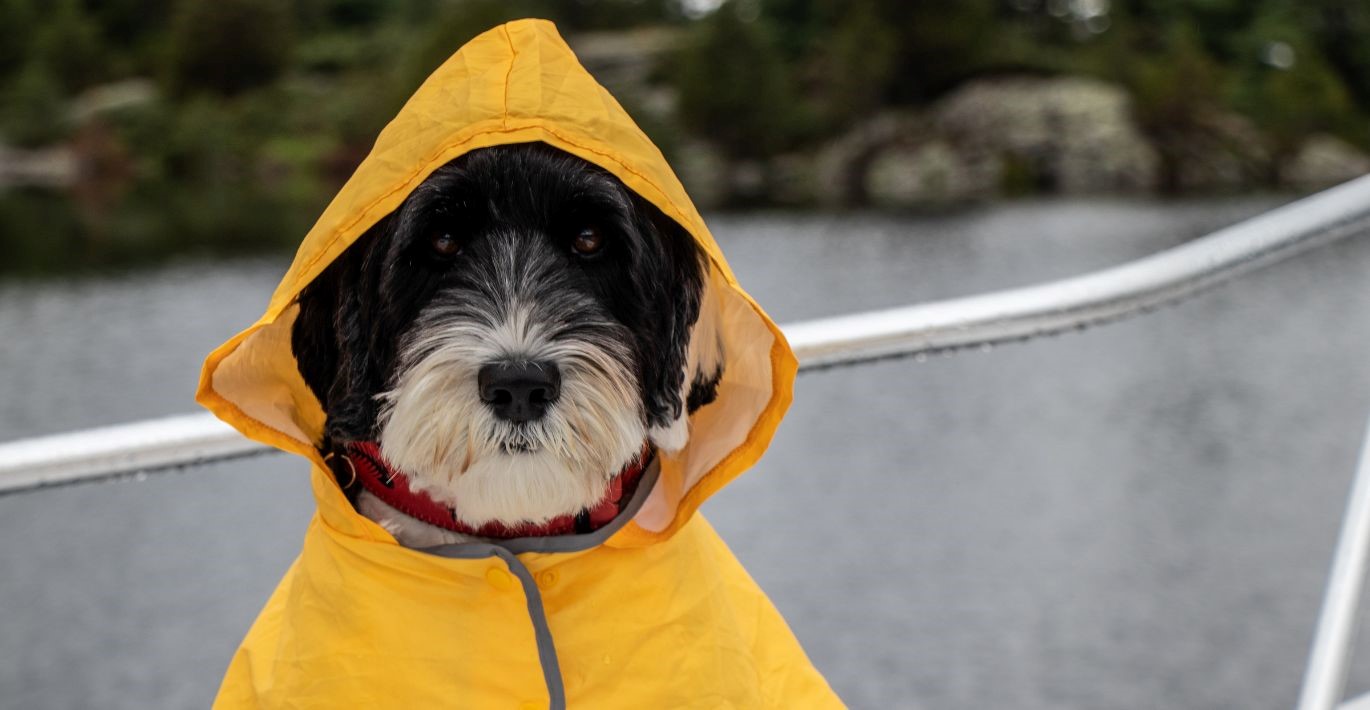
point(651, 611)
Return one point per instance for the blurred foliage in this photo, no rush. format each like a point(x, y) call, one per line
point(1181, 60)
point(735, 87)
point(33, 107)
point(1289, 103)
point(272, 103)
point(68, 43)
point(228, 46)
point(1292, 67)
point(1175, 88)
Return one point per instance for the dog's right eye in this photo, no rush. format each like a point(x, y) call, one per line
point(444, 244)
point(588, 242)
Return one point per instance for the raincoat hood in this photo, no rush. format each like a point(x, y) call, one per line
point(516, 83)
point(650, 611)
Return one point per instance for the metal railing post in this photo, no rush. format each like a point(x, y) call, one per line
point(1324, 681)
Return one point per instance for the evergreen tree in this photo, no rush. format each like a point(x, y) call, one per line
point(228, 46)
point(734, 85)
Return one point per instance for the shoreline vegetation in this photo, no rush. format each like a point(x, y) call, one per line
point(131, 130)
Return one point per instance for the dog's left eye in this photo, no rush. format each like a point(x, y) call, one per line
point(444, 243)
point(588, 242)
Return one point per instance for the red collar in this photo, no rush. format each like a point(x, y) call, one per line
point(392, 487)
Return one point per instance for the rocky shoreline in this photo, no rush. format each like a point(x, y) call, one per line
point(991, 138)
point(1007, 136)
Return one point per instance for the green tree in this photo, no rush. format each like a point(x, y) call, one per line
point(228, 46)
point(735, 88)
point(33, 109)
point(134, 32)
point(940, 44)
point(854, 67)
point(346, 14)
point(16, 33)
point(1342, 30)
point(1175, 87)
point(68, 42)
point(1285, 84)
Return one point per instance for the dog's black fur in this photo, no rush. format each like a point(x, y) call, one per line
point(645, 284)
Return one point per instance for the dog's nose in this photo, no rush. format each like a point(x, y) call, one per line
point(519, 392)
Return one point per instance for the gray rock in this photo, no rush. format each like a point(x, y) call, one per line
point(1075, 135)
point(55, 167)
point(113, 97)
point(1056, 135)
point(933, 173)
point(840, 166)
point(1323, 161)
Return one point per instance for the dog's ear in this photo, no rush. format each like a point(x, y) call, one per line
point(688, 361)
point(312, 339)
point(331, 340)
point(704, 368)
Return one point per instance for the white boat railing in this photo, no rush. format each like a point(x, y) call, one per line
point(1012, 315)
point(1324, 681)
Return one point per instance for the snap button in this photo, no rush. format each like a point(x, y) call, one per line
point(548, 578)
point(499, 579)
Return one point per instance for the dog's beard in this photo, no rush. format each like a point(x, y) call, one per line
point(436, 429)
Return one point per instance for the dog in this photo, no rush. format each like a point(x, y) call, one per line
point(517, 363)
point(513, 337)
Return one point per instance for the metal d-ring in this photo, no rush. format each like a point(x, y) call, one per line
point(351, 467)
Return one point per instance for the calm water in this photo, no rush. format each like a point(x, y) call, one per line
point(1140, 516)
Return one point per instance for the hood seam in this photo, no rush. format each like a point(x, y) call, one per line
point(513, 57)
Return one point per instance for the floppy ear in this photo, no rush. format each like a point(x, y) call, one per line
point(331, 340)
point(704, 368)
point(312, 339)
point(689, 356)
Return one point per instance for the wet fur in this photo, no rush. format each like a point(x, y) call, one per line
point(390, 337)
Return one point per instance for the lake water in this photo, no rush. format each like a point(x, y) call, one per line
point(1139, 516)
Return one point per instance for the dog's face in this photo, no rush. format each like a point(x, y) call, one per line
point(513, 334)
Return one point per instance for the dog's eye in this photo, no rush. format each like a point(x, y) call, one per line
point(444, 244)
point(588, 242)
